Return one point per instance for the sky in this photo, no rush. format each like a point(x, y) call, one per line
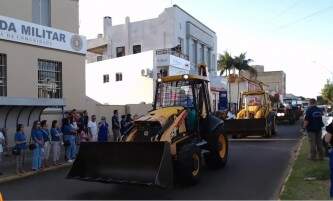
point(295, 36)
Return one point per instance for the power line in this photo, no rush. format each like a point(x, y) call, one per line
point(283, 12)
point(318, 12)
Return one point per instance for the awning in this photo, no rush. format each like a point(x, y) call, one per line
point(24, 110)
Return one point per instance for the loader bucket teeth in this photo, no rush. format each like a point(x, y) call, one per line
point(129, 162)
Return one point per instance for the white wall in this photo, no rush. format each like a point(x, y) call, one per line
point(134, 88)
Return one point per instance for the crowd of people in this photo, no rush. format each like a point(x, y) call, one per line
point(46, 142)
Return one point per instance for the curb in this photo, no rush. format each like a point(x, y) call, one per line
point(291, 165)
point(29, 174)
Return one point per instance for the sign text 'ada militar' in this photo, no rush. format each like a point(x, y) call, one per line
point(34, 34)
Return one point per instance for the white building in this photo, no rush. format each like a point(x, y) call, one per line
point(172, 44)
point(174, 27)
point(127, 78)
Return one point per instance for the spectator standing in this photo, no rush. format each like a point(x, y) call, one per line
point(329, 141)
point(56, 135)
point(2, 145)
point(38, 141)
point(84, 120)
point(47, 142)
point(92, 129)
point(69, 140)
point(123, 124)
point(313, 123)
point(21, 146)
point(115, 125)
point(103, 130)
point(129, 119)
point(74, 125)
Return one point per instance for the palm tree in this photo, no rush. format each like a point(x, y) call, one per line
point(242, 63)
point(225, 63)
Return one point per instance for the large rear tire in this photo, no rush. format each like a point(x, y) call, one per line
point(188, 164)
point(218, 150)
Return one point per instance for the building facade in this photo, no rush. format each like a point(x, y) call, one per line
point(275, 81)
point(174, 30)
point(174, 43)
point(42, 59)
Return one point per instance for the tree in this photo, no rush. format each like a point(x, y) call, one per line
point(327, 92)
point(242, 63)
point(225, 63)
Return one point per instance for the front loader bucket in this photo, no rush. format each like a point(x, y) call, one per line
point(124, 162)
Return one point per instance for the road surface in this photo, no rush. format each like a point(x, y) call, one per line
point(255, 170)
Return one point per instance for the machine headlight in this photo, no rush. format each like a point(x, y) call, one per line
point(159, 80)
point(185, 77)
point(280, 114)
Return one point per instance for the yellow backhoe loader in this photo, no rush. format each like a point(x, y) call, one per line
point(165, 146)
point(255, 116)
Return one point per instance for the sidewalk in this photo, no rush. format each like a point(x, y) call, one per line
point(8, 166)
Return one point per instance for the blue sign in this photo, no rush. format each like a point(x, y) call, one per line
point(223, 100)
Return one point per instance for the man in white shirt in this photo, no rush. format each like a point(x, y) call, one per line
point(92, 129)
point(2, 143)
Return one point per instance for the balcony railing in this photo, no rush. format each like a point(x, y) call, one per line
point(172, 52)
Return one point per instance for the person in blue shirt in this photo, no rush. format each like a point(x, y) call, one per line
point(38, 140)
point(47, 142)
point(103, 130)
point(313, 123)
point(56, 141)
point(69, 140)
point(21, 145)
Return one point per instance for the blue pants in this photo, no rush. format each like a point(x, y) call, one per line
point(331, 171)
point(37, 157)
point(71, 149)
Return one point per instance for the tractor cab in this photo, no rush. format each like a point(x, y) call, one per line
point(185, 92)
point(253, 105)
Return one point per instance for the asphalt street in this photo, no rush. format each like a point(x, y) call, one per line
point(255, 170)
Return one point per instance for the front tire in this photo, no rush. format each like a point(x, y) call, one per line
point(218, 150)
point(188, 164)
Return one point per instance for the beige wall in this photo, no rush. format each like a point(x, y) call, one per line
point(22, 72)
point(64, 13)
point(20, 9)
point(276, 81)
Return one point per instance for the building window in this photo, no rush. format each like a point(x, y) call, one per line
point(202, 54)
point(3, 75)
point(41, 12)
point(194, 52)
point(181, 44)
point(99, 58)
point(136, 49)
point(120, 51)
point(49, 79)
point(106, 78)
point(119, 77)
point(209, 59)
